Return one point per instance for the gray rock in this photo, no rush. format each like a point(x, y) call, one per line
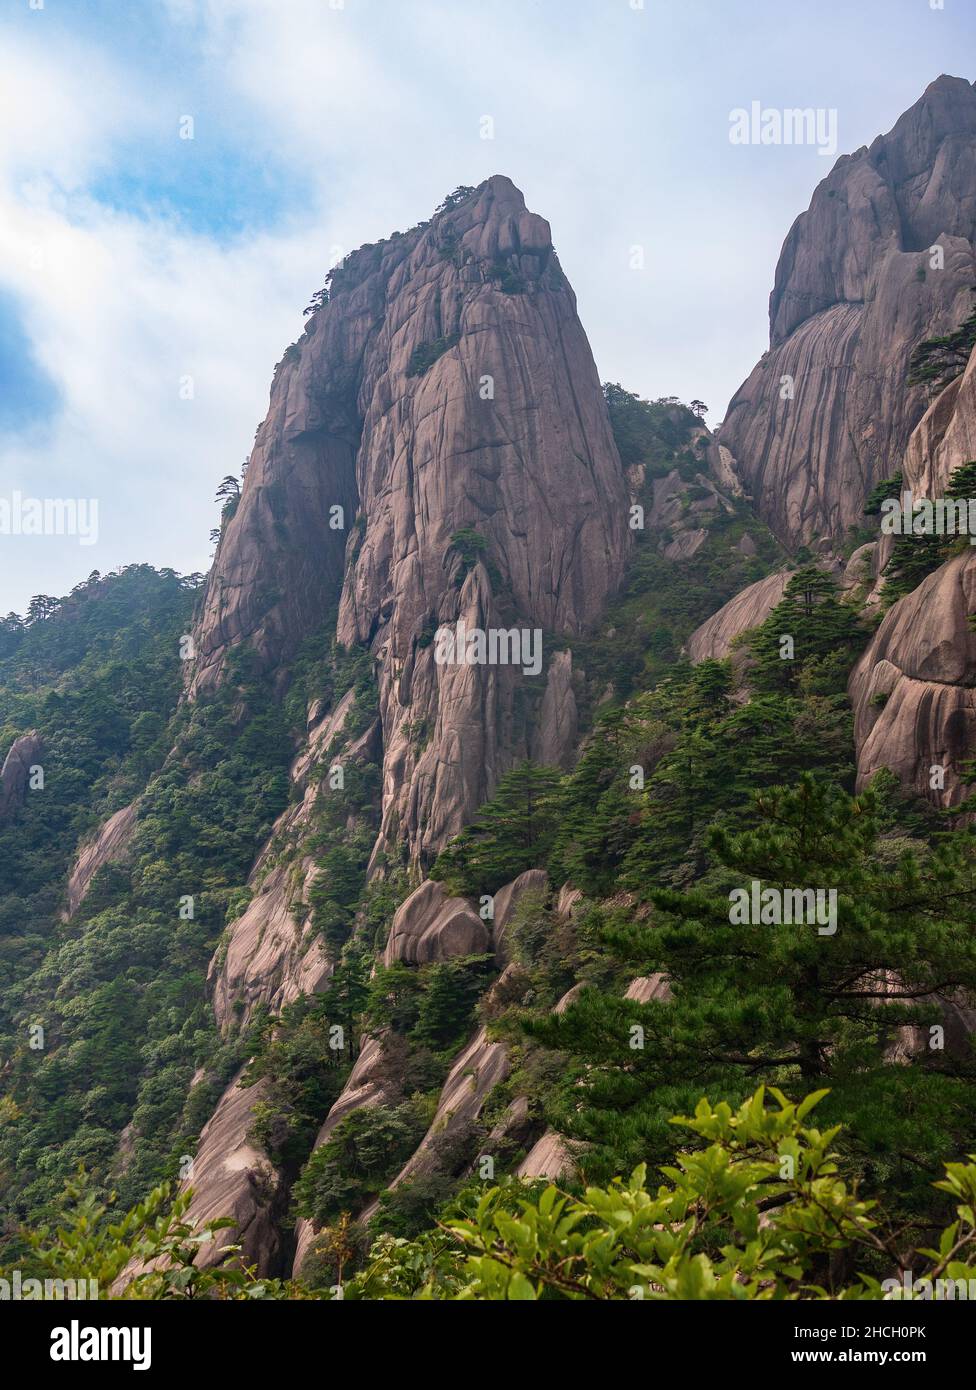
point(15, 774)
point(854, 295)
point(526, 458)
point(108, 846)
point(431, 926)
point(912, 690)
point(713, 639)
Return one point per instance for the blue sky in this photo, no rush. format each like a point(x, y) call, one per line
point(132, 259)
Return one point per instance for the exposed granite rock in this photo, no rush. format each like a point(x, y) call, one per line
point(365, 414)
point(649, 987)
point(15, 775)
point(550, 1157)
point(912, 690)
point(109, 845)
point(232, 1178)
point(369, 1083)
point(556, 735)
point(568, 898)
point(687, 545)
point(431, 926)
point(854, 295)
point(476, 1072)
point(713, 639)
point(507, 900)
point(270, 956)
point(944, 439)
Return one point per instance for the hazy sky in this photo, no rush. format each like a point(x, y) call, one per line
point(131, 259)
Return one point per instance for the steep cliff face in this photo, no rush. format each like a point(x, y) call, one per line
point(826, 413)
point(446, 388)
point(109, 844)
point(913, 689)
point(712, 640)
point(446, 400)
point(15, 774)
point(944, 439)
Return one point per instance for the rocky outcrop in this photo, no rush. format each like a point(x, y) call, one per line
point(556, 735)
point(913, 689)
point(232, 1178)
point(431, 926)
point(272, 954)
point(507, 899)
point(369, 1083)
point(550, 1157)
point(477, 1071)
point(647, 989)
point(944, 439)
point(109, 845)
point(15, 774)
point(826, 414)
point(446, 389)
point(712, 641)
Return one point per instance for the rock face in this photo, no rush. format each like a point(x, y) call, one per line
point(108, 846)
point(713, 639)
point(944, 439)
point(272, 953)
point(15, 774)
point(549, 1157)
point(913, 689)
point(430, 926)
point(826, 414)
point(477, 1071)
point(232, 1178)
point(447, 387)
point(369, 1083)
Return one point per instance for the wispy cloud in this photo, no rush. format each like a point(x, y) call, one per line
point(132, 259)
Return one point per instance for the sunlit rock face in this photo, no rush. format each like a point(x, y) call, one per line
point(882, 259)
point(913, 689)
point(447, 387)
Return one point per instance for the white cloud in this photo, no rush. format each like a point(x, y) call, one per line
point(613, 122)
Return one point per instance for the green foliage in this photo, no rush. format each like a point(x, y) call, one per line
point(700, 755)
point(512, 832)
point(470, 545)
point(362, 1154)
point(453, 200)
point(120, 991)
point(885, 491)
point(432, 1005)
point(784, 1002)
point(647, 431)
point(425, 355)
point(938, 361)
point(452, 989)
point(810, 625)
point(91, 1243)
point(759, 1210)
point(916, 556)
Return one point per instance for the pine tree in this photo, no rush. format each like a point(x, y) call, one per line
point(810, 623)
point(783, 1003)
point(511, 833)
